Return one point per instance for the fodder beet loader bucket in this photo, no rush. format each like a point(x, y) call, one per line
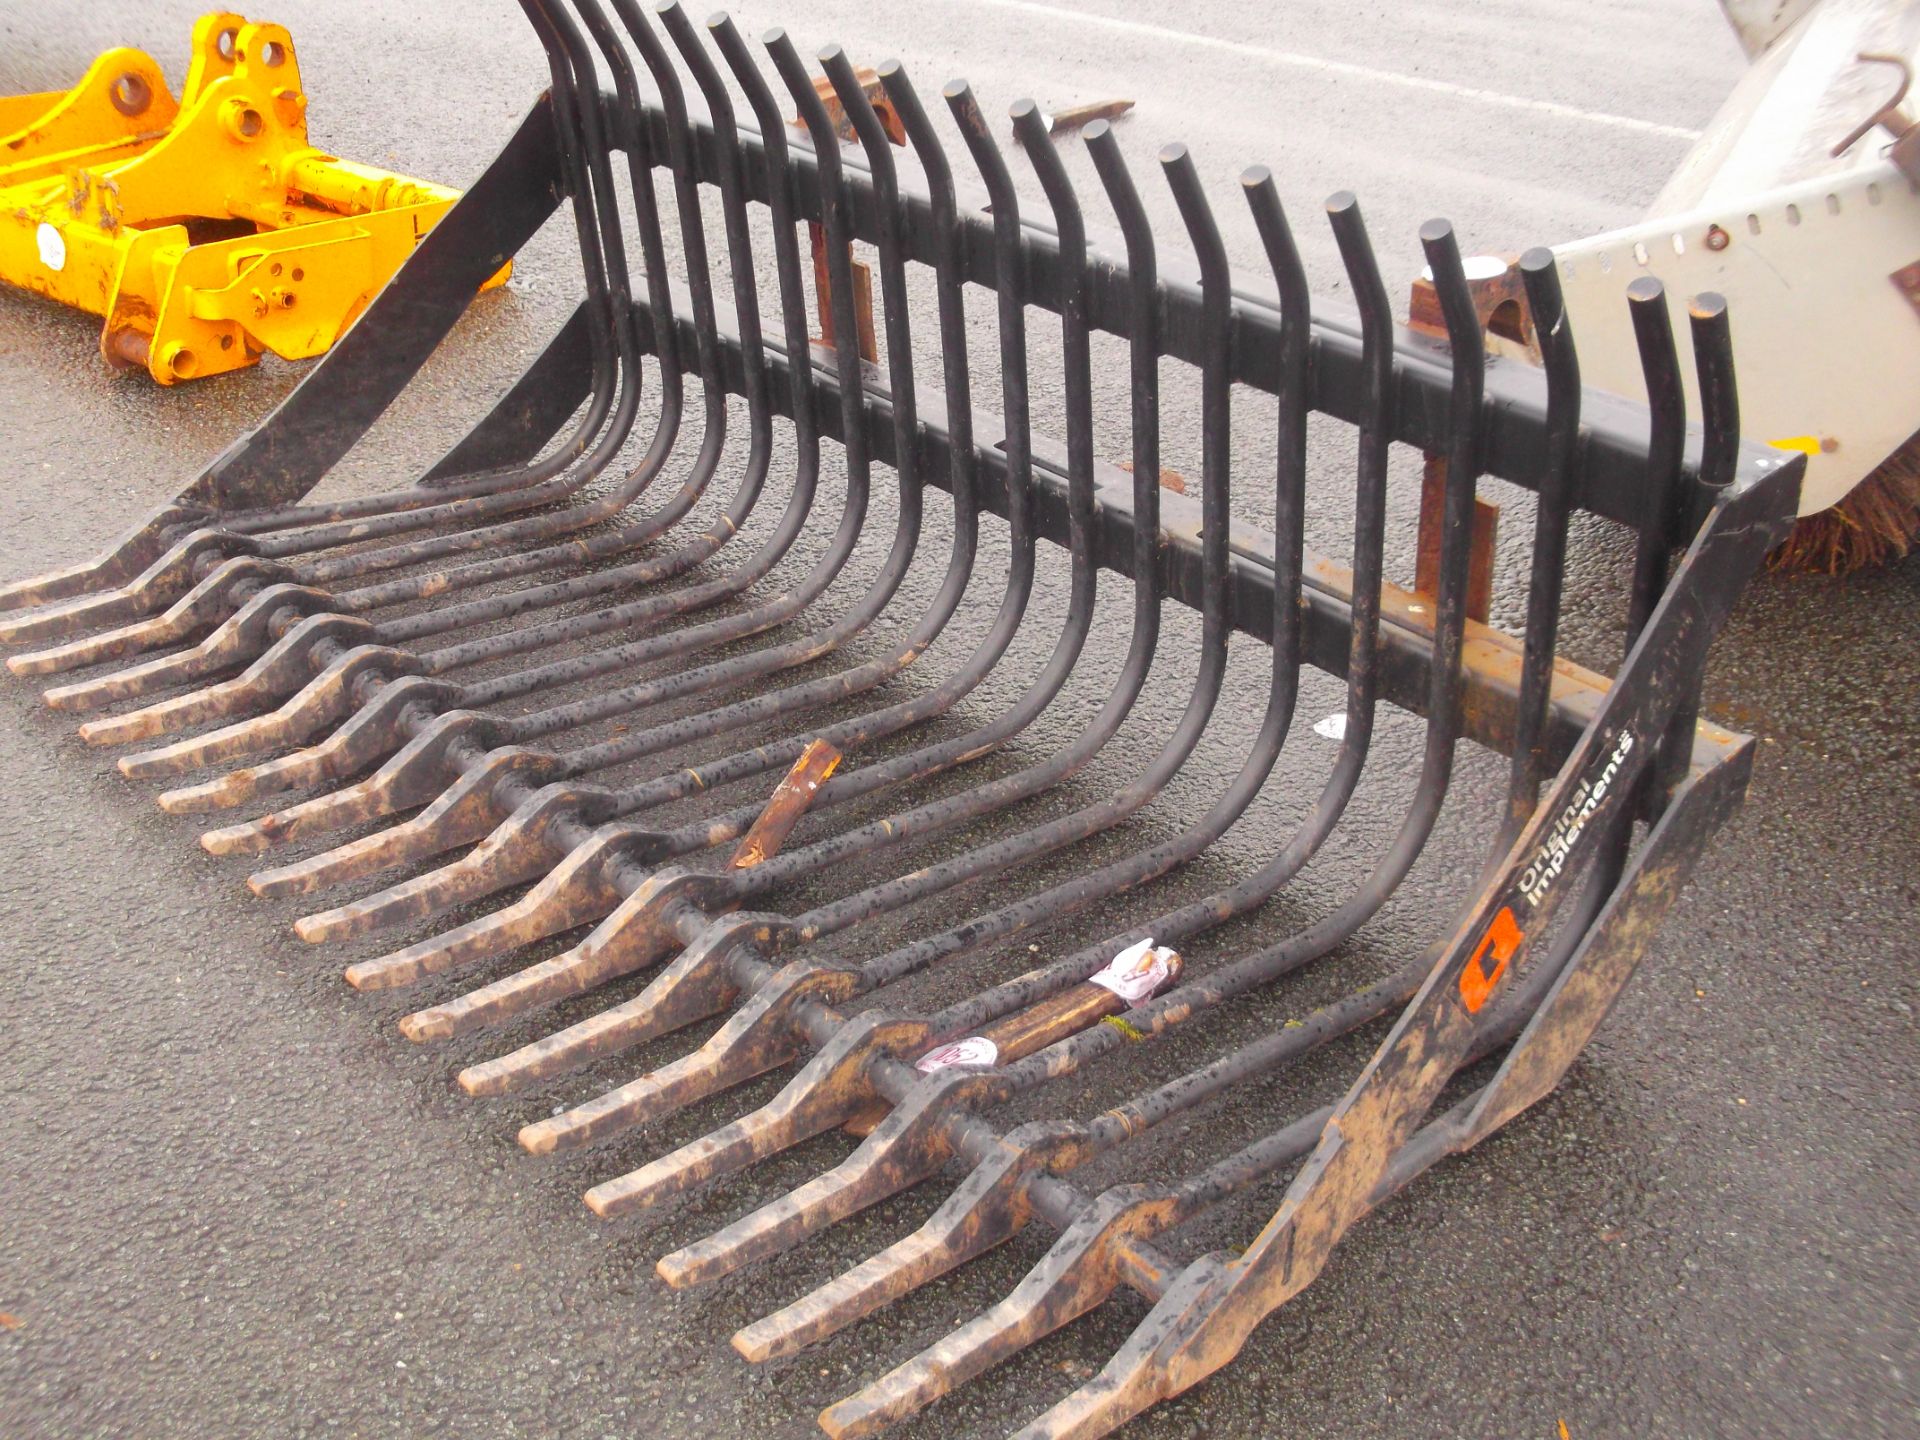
point(624, 734)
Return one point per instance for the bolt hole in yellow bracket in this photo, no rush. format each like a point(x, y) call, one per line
point(206, 231)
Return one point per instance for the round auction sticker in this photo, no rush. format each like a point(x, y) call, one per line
point(974, 1053)
point(53, 247)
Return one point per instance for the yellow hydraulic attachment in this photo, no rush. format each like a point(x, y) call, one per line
point(204, 231)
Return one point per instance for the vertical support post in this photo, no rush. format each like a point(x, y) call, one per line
point(867, 340)
point(1426, 560)
point(1501, 303)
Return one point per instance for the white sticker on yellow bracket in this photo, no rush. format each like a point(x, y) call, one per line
point(53, 246)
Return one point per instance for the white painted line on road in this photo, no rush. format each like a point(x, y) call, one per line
point(1343, 67)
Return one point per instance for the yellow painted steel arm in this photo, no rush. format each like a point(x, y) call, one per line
point(216, 237)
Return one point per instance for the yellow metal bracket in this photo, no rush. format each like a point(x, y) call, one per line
point(204, 232)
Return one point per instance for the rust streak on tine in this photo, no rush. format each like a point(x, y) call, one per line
point(90, 650)
point(789, 802)
point(326, 700)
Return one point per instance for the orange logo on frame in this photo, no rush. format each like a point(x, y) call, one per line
point(1499, 944)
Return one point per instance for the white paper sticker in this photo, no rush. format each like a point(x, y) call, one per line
point(1136, 972)
point(1334, 727)
point(53, 247)
point(976, 1052)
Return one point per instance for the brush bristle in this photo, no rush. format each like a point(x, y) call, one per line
point(1877, 524)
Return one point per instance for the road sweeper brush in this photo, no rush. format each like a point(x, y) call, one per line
point(532, 707)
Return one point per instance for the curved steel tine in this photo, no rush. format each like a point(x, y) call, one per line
point(692, 228)
point(878, 149)
point(1653, 540)
point(747, 883)
point(948, 268)
point(1647, 306)
point(113, 567)
point(327, 700)
point(516, 852)
point(989, 1207)
point(1469, 358)
point(914, 1140)
point(829, 1090)
point(1719, 451)
point(833, 221)
point(1719, 394)
point(1553, 332)
point(739, 242)
point(1076, 1275)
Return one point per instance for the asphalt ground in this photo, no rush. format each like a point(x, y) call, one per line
point(234, 1202)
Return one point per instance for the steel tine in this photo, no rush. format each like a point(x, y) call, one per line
point(911, 1143)
point(410, 778)
point(279, 673)
point(636, 934)
point(326, 700)
point(1666, 445)
point(990, 1206)
point(758, 1036)
point(157, 588)
point(1719, 446)
point(1076, 1275)
point(826, 151)
point(1464, 419)
point(369, 736)
point(571, 894)
point(699, 982)
point(478, 799)
point(878, 149)
point(132, 553)
point(466, 811)
point(531, 842)
point(201, 606)
point(237, 640)
point(1553, 331)
point(828, 1090)
point(519, 849)
point(1653, 541)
